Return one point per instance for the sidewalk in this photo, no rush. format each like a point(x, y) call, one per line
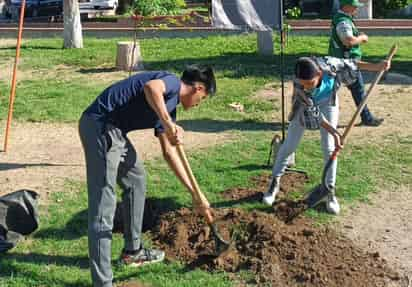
point(116, 29)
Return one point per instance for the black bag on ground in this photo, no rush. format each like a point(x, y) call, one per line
point(18, 216)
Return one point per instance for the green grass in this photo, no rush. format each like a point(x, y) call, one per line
point(56, 255)
point(240, 71)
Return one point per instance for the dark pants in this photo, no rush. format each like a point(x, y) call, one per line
point(358, 93)
point(110, 158)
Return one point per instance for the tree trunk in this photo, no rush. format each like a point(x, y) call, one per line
point(72, 34)
point(128, 56)
point(124, 5)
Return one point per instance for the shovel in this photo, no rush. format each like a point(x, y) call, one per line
point(320, 192)
point(221, 245)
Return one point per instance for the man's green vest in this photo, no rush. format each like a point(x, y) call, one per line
point(336, 47)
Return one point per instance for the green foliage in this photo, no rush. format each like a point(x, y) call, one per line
point(381, 8)
point(293, 13)
point(157, 7)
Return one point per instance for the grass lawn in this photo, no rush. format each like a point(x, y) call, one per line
point(63, 84)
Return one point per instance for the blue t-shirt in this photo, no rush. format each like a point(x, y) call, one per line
point(124, 104)
point(324, 91)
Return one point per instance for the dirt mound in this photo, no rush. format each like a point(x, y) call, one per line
point(277, 254)
point(290, 182)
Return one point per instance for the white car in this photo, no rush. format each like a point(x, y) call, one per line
point(98, 4)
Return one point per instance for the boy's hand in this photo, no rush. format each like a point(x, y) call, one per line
point(385, 65)
point(174, 133)
point(338, 141)
point(363, 38)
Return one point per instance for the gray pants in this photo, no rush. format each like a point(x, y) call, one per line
point(110, 158)
point(295, 133)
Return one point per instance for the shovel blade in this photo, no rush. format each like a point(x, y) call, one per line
point(221, 244)
point(318, 195)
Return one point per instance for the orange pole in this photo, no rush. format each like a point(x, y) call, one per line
point(13, 82)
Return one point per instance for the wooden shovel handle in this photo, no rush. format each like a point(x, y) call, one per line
point(196, 193)
point(365, 99)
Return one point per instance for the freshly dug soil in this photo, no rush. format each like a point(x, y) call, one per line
point(284, 208)
point(290, 182)
point(278, 254)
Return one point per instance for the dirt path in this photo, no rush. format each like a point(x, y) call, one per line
point(42, 156)
point(384, 225)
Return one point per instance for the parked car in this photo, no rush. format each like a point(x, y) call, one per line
point(98, 4)
point(34, 8)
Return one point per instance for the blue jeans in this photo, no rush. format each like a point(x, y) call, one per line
point(358, 93)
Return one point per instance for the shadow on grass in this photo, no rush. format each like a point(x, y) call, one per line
point(216, 126)
point(253, 167)
point(28, 47)
point(45, 259)
point(76, 227)
point(239, 65)
point(98, 70)
point(8, 166)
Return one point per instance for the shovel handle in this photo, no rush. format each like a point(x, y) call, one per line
point(196, 193)
point(365, 99)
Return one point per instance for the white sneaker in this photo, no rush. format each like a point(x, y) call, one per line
point(332, 204)
point(270, 196)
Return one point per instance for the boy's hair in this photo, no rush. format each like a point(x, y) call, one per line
point(306, 68)
point(202, 74)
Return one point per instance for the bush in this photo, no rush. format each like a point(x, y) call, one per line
point(382, 8)
point(157, 7)
point(293, 13)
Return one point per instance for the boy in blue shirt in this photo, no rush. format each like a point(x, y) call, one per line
point(315, 106)
point(145, 100)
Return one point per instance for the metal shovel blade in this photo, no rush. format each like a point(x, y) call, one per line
point(317, 196)
point(221, 245)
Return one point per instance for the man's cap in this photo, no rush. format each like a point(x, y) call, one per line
point(354, 3)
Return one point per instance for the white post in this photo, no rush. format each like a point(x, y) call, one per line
point(365, 12)
point(265, 42)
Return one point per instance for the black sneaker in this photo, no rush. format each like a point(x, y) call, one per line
point(374, 122)
point(141, 257)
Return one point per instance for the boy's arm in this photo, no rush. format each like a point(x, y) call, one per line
point(345, 33)
point(153, 91)
point(172, 158)
point(374, 67)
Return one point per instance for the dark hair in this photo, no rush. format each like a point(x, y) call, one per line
point(202, 74)
point(306, 68)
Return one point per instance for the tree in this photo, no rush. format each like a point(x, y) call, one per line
point(72, 34)
point(383, 8)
